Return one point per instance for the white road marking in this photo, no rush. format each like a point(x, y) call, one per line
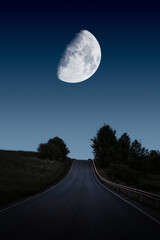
point(29, 198)
point(149, 216)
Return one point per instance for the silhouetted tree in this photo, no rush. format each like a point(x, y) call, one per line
point(124, 148)
point(139, 157)
point(125, 161)
point(135, 153)
point(42, 149)
point(104, 146)
point(54, 149)
point(154, 161)
point(59, 144)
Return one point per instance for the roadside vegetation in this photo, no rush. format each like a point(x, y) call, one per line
point(23, 174)
point(126, 162)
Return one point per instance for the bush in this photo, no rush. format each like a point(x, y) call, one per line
point(123, 173)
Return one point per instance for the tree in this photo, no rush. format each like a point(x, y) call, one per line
point(136, 154)
point(124, 143)
point(154, 158)
point(136, 148)
point(59, 143)
point(54, 149)
point(42, 149)
point(104, 146)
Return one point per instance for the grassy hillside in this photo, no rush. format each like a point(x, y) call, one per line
point(122, 174)
point(23, 174)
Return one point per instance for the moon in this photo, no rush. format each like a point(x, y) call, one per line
point(81, 58)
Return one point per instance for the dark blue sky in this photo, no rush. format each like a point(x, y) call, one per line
point(124, 92)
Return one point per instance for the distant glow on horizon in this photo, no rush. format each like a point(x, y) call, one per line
point(81, 58)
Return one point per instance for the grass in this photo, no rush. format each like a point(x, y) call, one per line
point(122, 174)
point(151, 183)
point(23, 174)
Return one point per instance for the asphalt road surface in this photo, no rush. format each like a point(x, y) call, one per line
point(78, 208)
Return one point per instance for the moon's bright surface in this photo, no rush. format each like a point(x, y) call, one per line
point(81, 58)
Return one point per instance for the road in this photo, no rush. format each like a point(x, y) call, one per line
point(78, 208)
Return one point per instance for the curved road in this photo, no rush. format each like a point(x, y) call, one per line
point(78, 208)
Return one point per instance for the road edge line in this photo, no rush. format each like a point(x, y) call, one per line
point(146, 214)
point(38, 194)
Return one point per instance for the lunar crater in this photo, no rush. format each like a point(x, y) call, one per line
point(88, 59)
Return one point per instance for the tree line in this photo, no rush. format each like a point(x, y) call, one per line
point(110, 151)
point(122, 160)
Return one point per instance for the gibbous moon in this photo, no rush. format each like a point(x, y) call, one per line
point(81, 58)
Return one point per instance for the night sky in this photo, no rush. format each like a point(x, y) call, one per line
point(124, 92)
